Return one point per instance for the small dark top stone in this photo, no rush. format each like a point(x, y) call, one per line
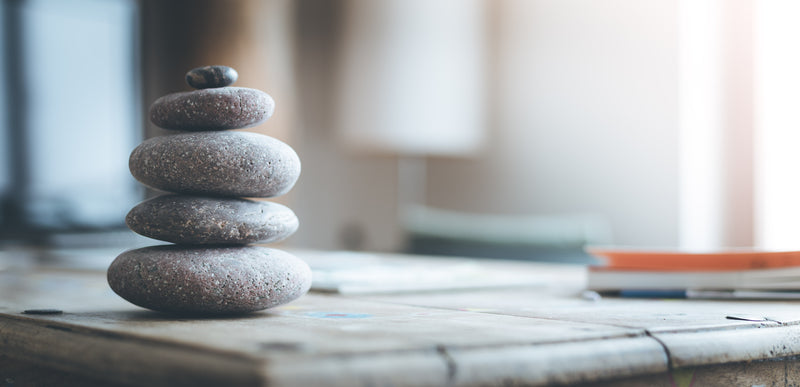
point(208, 280)
point(222, 164)
point(212, 109)
point(201, 220)
point(208, 77)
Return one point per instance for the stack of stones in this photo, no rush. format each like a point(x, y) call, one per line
point(212, 268)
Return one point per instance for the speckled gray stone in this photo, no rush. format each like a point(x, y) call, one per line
point(212, 109)
point(229, 164)
point(203, 220)
point(208, 280)
point(207, 77)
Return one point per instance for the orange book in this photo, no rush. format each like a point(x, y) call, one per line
point(666, 260)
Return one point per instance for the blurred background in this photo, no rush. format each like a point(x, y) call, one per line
point(508, 128)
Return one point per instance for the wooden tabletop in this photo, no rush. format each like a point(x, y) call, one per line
point(543, 332)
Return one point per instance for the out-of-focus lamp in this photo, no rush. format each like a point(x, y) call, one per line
point(413, 77)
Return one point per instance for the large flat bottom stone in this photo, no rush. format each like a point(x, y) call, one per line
point(208, 280)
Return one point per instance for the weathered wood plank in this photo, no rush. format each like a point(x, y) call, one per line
point(565, 303)
point(385, 368)
point(563, 363)
point(532, 336)
point(330, 325)
point(319, 339)
point(128, 358)
point(775, 373)
point(122, 359)
point(15, 372)
point(691, 349)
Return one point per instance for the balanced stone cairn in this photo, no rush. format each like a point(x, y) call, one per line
point(211, 268)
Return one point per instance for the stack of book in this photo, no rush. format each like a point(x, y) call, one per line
point(736, 273)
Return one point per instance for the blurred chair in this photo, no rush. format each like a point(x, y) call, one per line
point(546, 238)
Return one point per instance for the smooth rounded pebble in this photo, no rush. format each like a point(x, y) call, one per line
point(212, 109)
point(203, 280)
point(228, 164)
point(207, 77)
point(203, 220)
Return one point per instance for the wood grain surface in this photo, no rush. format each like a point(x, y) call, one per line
point(537, 335)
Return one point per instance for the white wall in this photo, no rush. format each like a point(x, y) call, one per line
point(716, 123)
point(585, 110)
point(343, 200)
point(583, 119)
point(777, 123)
